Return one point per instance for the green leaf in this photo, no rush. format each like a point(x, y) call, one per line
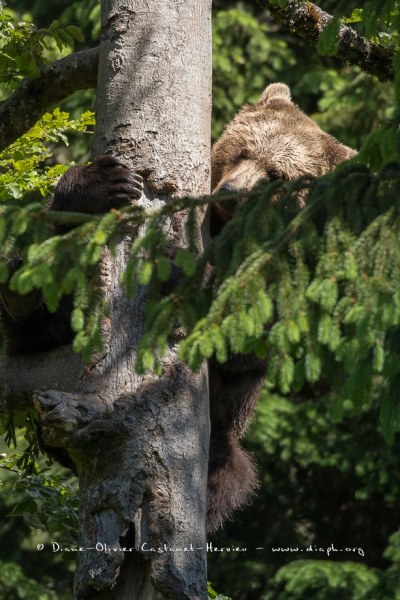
point(77, 319)
point(286, 376)
point(327, 44)
point(100, 237)
point(312, 367)
point(186, 260)
point(293, 332)
point(76, 33)
point(145, 273)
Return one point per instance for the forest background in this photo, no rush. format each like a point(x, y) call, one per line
point(329, 477)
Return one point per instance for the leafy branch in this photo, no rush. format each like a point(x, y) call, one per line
point(20, 111)
point(303, 289)
point(333, 37)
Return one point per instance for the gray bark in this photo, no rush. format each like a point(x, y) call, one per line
point(140, 444)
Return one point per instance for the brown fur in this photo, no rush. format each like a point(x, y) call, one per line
point(272, 139)
point(273, 136)
point(268, 140)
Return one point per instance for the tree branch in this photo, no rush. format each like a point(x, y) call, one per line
point(25, 106)
point(309, 21)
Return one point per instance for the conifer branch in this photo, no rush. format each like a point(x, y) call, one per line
point(57, 81)
point(136, 216)
point(255, 262)
point(309, 21)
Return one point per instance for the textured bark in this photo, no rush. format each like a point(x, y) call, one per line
point(309, 21)
point(21, 110)
point(140, 444)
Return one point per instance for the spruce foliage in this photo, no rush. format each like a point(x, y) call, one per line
point(315, 290)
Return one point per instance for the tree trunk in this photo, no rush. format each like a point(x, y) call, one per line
point(140, 444)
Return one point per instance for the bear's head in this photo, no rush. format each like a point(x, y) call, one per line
point(272, 139)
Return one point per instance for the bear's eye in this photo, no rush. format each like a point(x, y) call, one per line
point(274, 175)
point(243, 154)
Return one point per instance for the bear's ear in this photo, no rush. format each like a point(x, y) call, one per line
point(337, 152)
point(275, 92)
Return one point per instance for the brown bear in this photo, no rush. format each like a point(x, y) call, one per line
point(269, 140)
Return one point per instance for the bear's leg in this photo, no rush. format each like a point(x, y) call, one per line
point(232, 476)
point(27, 324)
